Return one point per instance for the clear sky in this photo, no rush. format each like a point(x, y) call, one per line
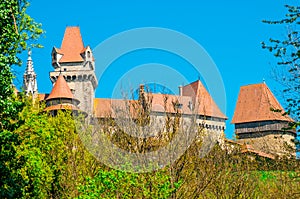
point(230, 31)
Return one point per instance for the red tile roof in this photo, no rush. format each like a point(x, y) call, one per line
point(166, 103)
point(162, 103)
point(72, 46)
point(42, 96)
point(60, 89)
point(107, 107)
point(255, 103)
point(247, 148)
point(204, 101)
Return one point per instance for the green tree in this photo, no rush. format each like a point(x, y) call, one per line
point(108, 184)
point(54, 159)
point(17, 29)
point(287, 52)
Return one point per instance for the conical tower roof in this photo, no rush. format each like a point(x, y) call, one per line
point(255, 103)
point(72, 45)
point(60, 90)
point(61, 97)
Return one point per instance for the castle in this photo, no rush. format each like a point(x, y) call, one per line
point(74, 83)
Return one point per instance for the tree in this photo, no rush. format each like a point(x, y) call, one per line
point(112, 183)
point(287, 52)
point(54, 159)
point(17, 29)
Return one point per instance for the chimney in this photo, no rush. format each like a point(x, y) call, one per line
point(180, 90)
point(141, 90)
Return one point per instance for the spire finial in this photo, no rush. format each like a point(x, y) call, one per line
point(264, 80)
point(29, 55)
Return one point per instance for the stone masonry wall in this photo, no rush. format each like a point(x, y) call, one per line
point(276, 143)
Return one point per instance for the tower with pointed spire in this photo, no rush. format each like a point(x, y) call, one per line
point(260, 122)
point(29, 78)
point(76, 63)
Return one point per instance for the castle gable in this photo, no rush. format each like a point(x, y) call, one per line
point(202, 99)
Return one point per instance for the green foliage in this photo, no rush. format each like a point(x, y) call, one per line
point(38, 141)
point(108, 184)
point(17, 29)
point(287, 52)
point(55, 164)
point(54, 158)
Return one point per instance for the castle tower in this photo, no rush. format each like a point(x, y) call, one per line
point(257, 124)
point(77, 65)
point(29, 78)
point(61, 97)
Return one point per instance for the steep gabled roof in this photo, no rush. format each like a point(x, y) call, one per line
point(206, 104)
point(255, 103)
point(60, 89)
point(72, 46)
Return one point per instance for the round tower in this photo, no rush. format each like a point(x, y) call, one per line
point(61, 98)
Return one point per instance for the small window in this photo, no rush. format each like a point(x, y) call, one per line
point(190, 105)
point(65, 69)
point(179, 105)
point(88, 54)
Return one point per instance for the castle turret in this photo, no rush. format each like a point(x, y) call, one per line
point(61, 97)
point(259, 121)
point(78, 67)
point(29, 78)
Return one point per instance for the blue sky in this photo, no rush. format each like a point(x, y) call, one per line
point(230, 31)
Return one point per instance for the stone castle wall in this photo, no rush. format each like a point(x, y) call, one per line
point(271, 142)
